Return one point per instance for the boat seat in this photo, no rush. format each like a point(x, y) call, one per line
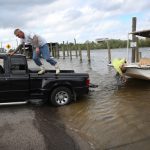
point(144, 61)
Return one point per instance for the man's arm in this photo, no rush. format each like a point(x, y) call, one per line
point(36, 43)
point(17, 49)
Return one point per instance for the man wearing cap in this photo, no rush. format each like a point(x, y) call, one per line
point(40, 47)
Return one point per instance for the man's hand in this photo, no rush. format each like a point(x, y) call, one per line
point(37, 50)
point(11, 53)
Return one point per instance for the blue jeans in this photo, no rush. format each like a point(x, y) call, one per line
point(44, 51)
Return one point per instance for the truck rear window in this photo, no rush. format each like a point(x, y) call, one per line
point(18, 66)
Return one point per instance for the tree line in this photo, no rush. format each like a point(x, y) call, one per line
point(113, 43)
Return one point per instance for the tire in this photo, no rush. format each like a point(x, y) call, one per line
point(61, 96)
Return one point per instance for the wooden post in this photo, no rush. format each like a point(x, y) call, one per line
point(140, 55)
point(133, 38)
point(63, 50)
point(57, 51)
point(75, 46)
point(137, 51)
point(109, 52)
point(70, 52)
point(80, 53)
point(88, 53)
point(67, 49)
point(54, 49)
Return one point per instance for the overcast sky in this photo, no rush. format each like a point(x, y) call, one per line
point(64, 20)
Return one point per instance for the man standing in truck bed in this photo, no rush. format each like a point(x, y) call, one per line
point(40, 47)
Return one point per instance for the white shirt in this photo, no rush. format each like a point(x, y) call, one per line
point(28, 39)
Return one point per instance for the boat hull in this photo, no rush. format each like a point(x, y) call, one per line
point(139, 73)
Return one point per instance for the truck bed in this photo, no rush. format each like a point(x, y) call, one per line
point(52, 74)
point(51, 71)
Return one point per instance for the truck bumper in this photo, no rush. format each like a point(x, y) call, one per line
point(81, 91)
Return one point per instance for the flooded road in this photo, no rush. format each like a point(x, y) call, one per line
point(111, 117)
point(27, 127)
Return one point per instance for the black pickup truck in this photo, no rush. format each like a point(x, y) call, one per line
point(19, 84)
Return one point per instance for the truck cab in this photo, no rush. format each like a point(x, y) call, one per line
point(14, 78)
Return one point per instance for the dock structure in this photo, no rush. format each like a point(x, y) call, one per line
point(62, 50)
point(54, 49)
point(133, 39)
point(27, 50)
point(74, 50)
point(136, 55)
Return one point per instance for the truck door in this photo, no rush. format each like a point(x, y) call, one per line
point(19, 78)
point(4, 83)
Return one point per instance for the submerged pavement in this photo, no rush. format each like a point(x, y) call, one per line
point(37, 128)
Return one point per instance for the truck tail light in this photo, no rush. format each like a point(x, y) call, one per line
point(87, 82)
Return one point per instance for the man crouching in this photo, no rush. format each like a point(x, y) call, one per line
point(119, 66)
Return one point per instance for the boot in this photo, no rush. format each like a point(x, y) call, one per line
point(57, 69)
point(42, 71)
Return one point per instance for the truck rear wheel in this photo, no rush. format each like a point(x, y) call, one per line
point(61, 96)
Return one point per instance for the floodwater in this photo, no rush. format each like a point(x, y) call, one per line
point(111, 117)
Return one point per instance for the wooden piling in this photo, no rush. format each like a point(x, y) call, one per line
point(67, 48)
point(109, 52)
point(54, 51)
point(70, 52)
point(88, 53)
point(75, 46)
point(63, 49)
point(137, 51)
point(133, 38)
point(51, 49)
point(140, 55)
point(57, 51)
point(80, 52)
